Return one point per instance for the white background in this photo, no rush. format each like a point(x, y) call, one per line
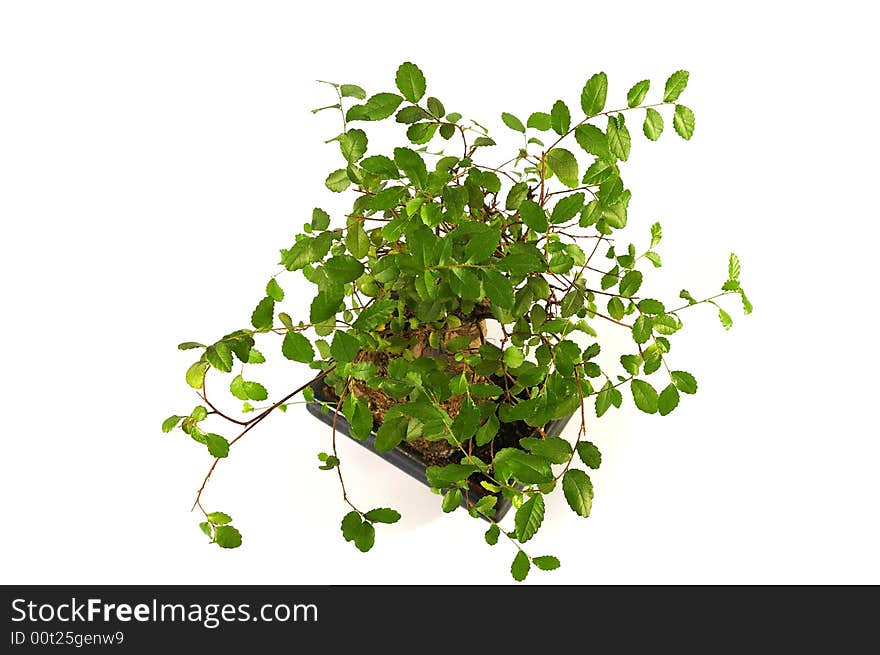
point(154, 157)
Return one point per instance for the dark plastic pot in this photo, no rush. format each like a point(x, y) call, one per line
point(407, 461)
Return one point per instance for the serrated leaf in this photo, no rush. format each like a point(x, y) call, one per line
point(218, 446)
point(560, 118)
point(546, 562)
point(195, 374)
point(326, 304)
point(263, 314)
point(337, 181)
point(653, 125)
point(205, 527)
point(529, 517)
point(516, 195)
point(618, 136)
point(567, 208)
point(343, 269)
point(374, 315)
point(637, 93)
point(383, 515)
point(683, 122)
point(668, 400)
point(274, 291)
point(630, 283)
point(377, 107)
point(352, 91)
point(519, 569)
point(297, 348)
point(219, 518)
point(539, 120)
point(353, 145)
point(487, 431)
point(357, 241)
point(365, 537)
point(380, 165)
point(564, 166)
point(220, 356)
point(410, 81)
point(513, 122)
point(594, 141)
point(359, 418)
point(255, 391)
point(345, 347)
point(589, 454)
point(578, 490)
point(644, 396)
point(498, 288)
point(492, 534)
point(685, 382)
point(412, 165)
point(725, 319)
point(227, 536)
point(351, 523)
point(451, 500)
point(171, 422)
point(391, 433)
point(656, 234)
point(675, 85)
point(533, 215)
point(189, 345)
point(555, 449)
point(236, 388)
point(733, 267)
point(594, 93)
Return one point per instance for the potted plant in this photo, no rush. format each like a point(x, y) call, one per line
point(452, 326)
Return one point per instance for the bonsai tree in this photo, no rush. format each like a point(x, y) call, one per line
point(455, 305)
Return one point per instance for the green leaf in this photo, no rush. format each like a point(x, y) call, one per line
point(567, 208)
point(685, 382)
point(420, 133)
point(651, 306)
point(255, 391)
point(374, 315)
point(345, 347)
point(226, 536)
point(533, 215)
point(492, 534)
point(356, 240)
point(733, 267)
point(594, 141)
point(410, 81)
point(352, 91)
point(675, 85)
point(274, 290)
point(578, 490)
point(343, 269)
point(616, 308)
point(619, 139)
point(376, 108)
point(516, 196)
point(219, 518)
point(205, 527)
point(656, 234)
point(653, 126)
point(644, 395)
point(353, 145)
point(195, 374)
point(382, 166)
point(218, 446)
point(499, 289)
point(725, 319)
point(631, 363)
point(412, 165)
point(487, 431)
point(555, 449)
point(297, 347)
point(360, 419)
point(236, 388)
point(529, 517)
point(589, 454)
point(189, 345)
point(560, 118)
point(637, 93)
point(326, 304)
point(683, 122)
point(351, 524)
point(564, 166)
point(391, 433)
point(365, 537)
point(412, 114)
point(220, 356)
point(546, 562)
point(171, 422)
point(441, 477)
point(539, 120)
point(263, 314)
point(451, 500)
point(513, 122)
point(520, 567)
point(668, 400)
point(337, 181)
point(383, 515)
point(594, 93)
point(630, 283)
point(436, 108)
point(513, 357)
point(641, 329)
